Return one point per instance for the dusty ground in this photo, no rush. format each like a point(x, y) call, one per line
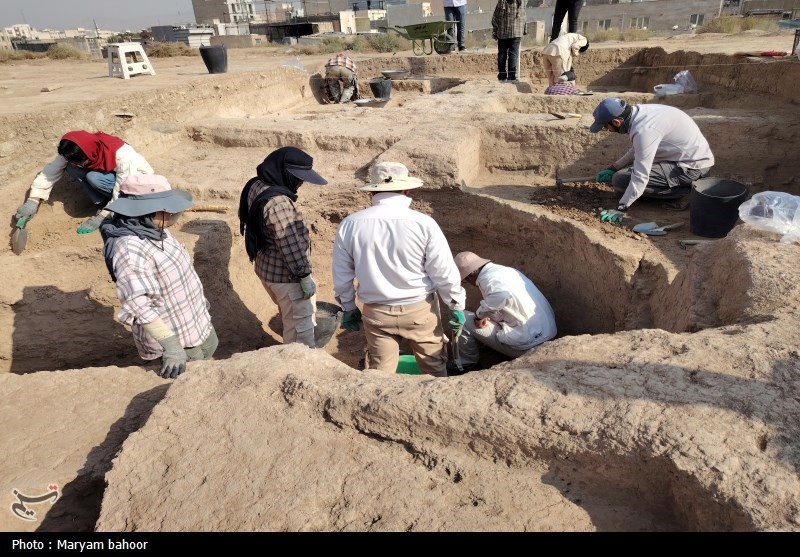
point(670, 400)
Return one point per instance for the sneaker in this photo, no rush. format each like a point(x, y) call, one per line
point(462, 48)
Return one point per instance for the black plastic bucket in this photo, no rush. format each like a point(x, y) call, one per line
point(381, 87)
point(215, 58)
point(329, 317)
point(714, 206)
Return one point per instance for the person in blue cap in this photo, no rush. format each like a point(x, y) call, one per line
point(668, 152)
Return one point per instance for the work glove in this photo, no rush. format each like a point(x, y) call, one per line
point(173, 361)
point(91, 224)
point(605, 175)
point(308, 285)
point(351, 320)
point(26, 211)
point(456, 321)
point(611, 215)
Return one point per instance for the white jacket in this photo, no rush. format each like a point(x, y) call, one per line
point(566, 47)
point(398, 256)
point(127, 159)
point(511, 300)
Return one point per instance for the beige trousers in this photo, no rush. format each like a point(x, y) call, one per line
point(418, 323)
point(553, 67)
point(298, 315)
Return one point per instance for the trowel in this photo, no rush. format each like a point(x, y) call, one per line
point(652, 229)
point(20, 236)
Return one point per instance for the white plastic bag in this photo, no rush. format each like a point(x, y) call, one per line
point(294, 63)
point(685, 80)
point(774, 211)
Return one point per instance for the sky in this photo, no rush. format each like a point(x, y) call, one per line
point(110, 15)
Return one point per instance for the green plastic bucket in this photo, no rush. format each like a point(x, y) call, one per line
point(407, 364)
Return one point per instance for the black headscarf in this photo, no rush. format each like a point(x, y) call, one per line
point(273, 170)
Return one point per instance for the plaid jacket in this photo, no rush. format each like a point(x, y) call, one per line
point(342, 60)
point(289, 255)
point(562, 88)
point(508, 20)
point(156, 279)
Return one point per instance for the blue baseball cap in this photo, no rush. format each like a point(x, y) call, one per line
point(607, 110)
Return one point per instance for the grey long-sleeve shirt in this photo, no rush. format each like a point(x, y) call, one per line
point(661, 133)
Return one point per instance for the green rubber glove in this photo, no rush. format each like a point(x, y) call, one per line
point(351, 320)
point(308, 285)
point(173, 361)
point(604, 176)
point(611, 215)
point(456, 321)
point(91, 224)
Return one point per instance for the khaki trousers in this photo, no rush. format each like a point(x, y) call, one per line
point(553, 67)
point(298, 315)
point(419, 323)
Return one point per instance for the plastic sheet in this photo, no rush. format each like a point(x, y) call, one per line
point(774, 211)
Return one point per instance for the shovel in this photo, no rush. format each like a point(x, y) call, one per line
point(456, 351)
point(652, 229)
point(20, 236)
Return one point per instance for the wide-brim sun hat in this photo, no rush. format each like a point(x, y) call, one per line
point(143, 194)
point(607, 110)
point(390, 176)
point(468, 262)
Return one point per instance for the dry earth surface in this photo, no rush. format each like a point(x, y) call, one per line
point(669, 402)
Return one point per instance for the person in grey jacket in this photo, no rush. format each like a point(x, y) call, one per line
point(668, 152)
point(508, 27)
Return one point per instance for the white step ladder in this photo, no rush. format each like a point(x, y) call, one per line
point(127, 59)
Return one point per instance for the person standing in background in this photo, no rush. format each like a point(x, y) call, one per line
point(563, 7)
point(456, 10)
point(508, 27)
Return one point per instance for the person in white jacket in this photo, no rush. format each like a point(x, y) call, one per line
point(403, 266)
point(558, 55)
point(513, 316)
point(99, 162)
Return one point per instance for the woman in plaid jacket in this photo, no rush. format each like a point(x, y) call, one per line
point(508, 27)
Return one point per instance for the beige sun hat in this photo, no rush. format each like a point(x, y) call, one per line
point(468, 262)
point(390, 176)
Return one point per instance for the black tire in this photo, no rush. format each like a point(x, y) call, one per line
point(443, 46)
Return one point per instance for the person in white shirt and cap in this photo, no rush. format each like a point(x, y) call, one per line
point(513, 316)
point(402, 263)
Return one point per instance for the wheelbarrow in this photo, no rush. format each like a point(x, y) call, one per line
point(438, 36)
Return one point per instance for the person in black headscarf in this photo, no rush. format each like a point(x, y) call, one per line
point(277, 239)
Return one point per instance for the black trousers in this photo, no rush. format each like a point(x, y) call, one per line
point(573, 7)
point(507, 58)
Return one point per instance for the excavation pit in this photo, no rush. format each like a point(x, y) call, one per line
point(661, 406)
